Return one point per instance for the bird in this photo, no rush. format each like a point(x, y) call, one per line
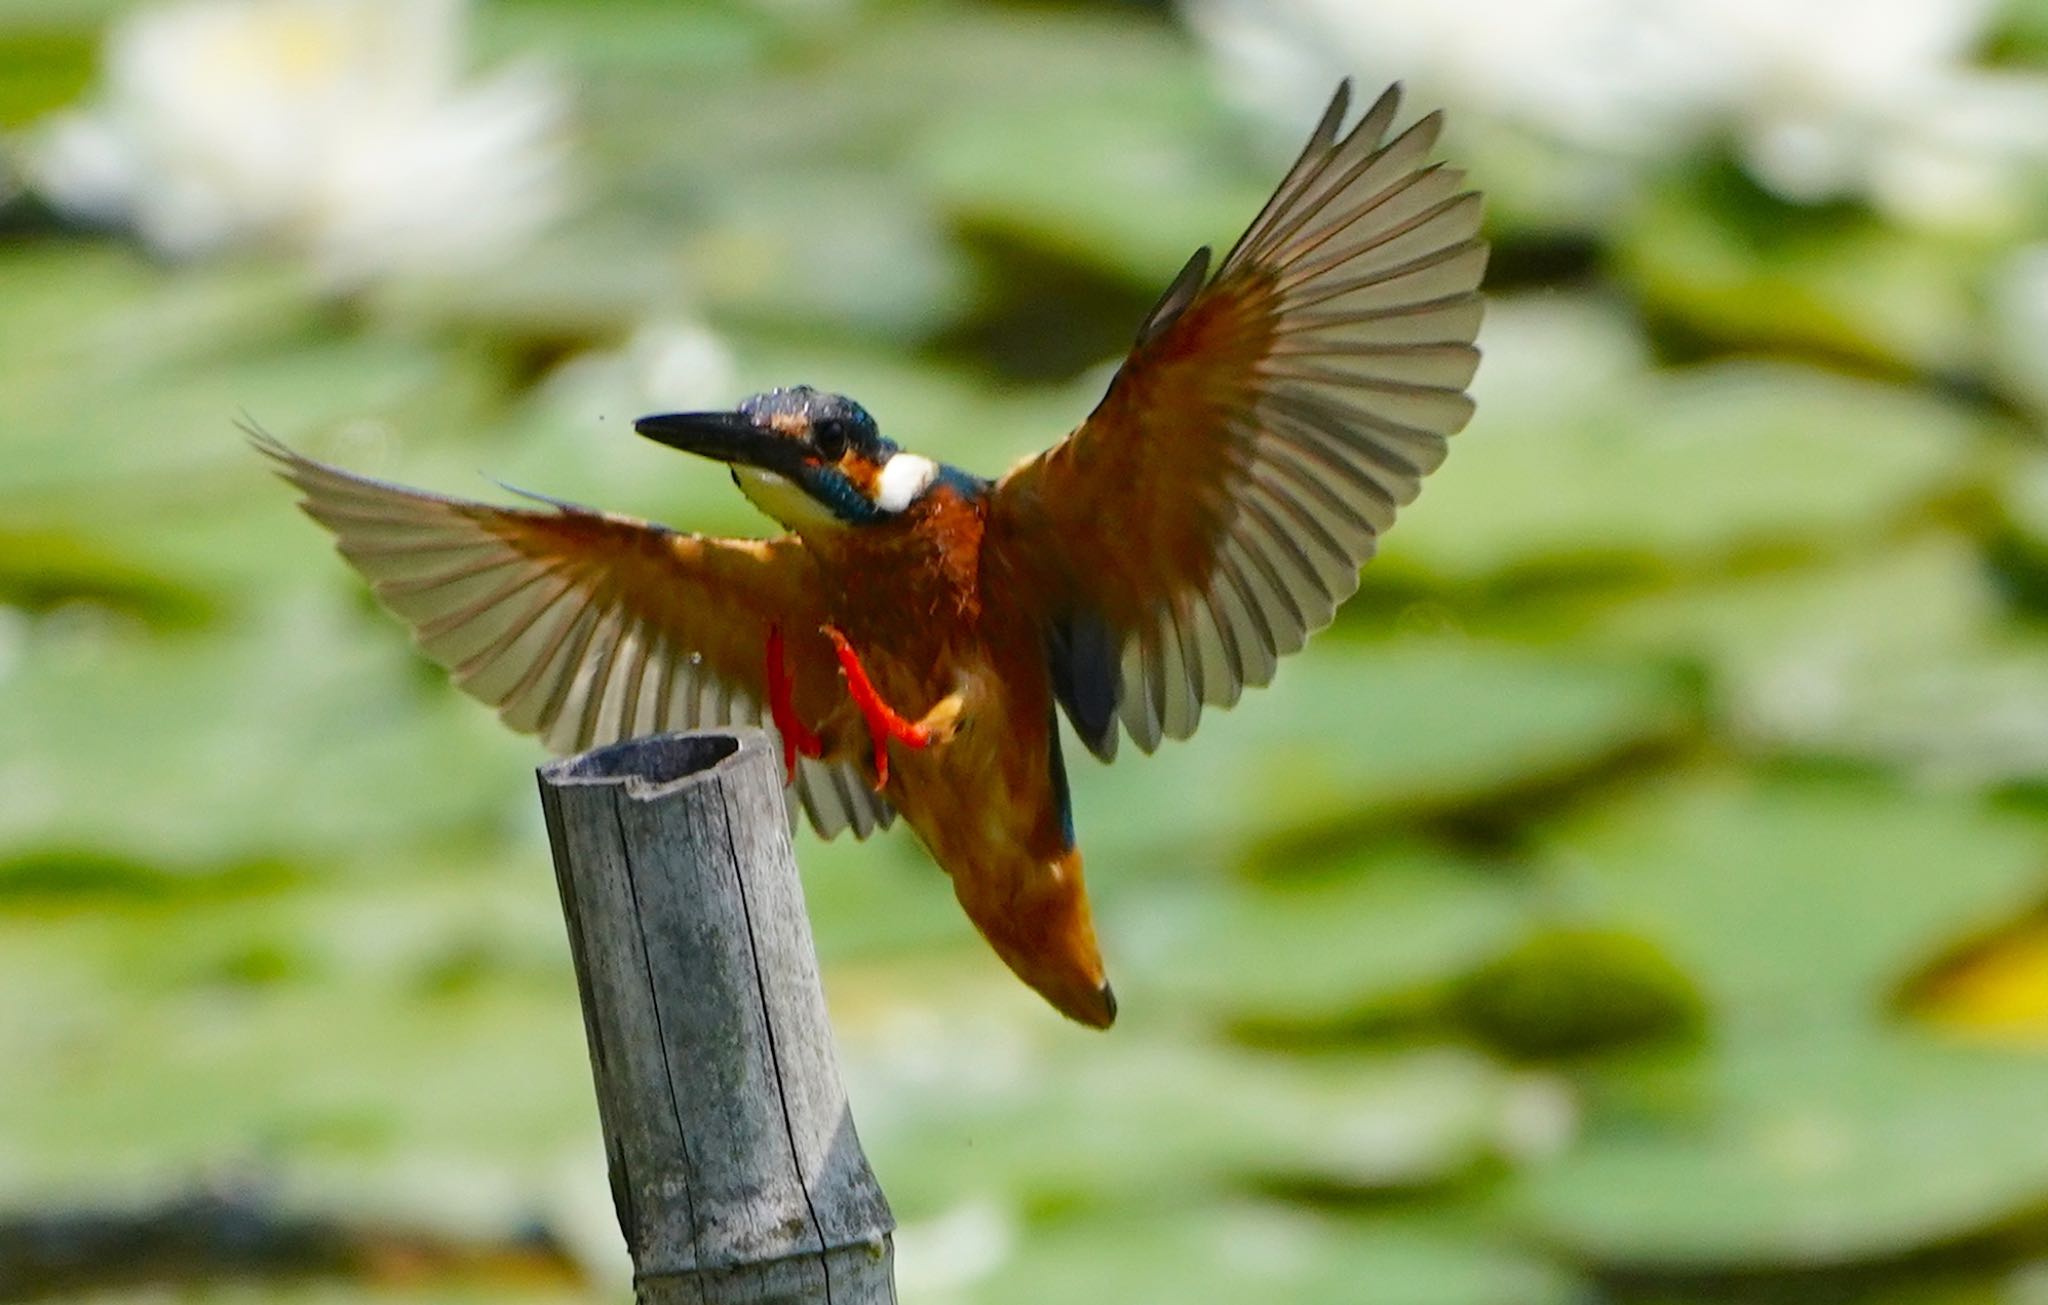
point(912, 634)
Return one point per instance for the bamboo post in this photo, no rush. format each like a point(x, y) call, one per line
point(734, 1165)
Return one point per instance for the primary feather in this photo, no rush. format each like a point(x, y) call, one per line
point(1215, 508)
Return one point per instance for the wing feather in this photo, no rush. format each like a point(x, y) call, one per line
point(579, 626)
point(1268, 425)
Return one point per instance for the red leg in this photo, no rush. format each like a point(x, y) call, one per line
point(781, 705)
point(884, 723)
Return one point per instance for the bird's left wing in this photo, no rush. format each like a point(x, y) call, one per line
point(580, 626)
point(1216, 506)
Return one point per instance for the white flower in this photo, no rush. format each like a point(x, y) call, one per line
point(339, 128)
point(1823, 97)
point(669, 363)
point(1601, 74)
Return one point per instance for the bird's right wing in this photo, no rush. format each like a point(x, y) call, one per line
point(582, 627)
point(1267, 426)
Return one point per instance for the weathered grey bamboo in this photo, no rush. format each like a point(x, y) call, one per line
point(734, 1164)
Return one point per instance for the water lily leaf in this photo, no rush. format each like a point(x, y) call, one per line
point(1798, 904)
point(1120, 1125)
point(302, 1032)
point(58, 15)
point(1752, 629)
point(1737, 265)
point(1818, 660)
point(1355, 736)
point(1653, 473)
point(483, 1288)
point(1567, 991)
point(45, 568)
point(2021, 31)
point(1807, 1152)
point(80, 315)
point(171, 446)
point(1259, 1252)
point(300, 734)
point(44, 65)
point(1967, 719)
point(1117, 154)
point(1371, 933)
point(1129, 188)
point(627, 37)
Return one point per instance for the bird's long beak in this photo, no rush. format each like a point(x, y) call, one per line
point(724, 437)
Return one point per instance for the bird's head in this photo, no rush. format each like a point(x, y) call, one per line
point(813, 461)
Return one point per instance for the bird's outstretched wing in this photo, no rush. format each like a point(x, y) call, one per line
point(580, 626)
point(1216, 506)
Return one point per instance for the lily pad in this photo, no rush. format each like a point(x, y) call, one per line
point(1350, 737)
point(171, 753)
point(1259, 1252)
point(1132, 191)
point(1363, 935)
point(1898, 659)
point(339, 1068)
point(482, 1289)
point(1687, 471)
point(1120, 1125)
point(1736, 265)
point(1566, 991)
point(1798, 905)
point(1749, 630)
point(1807, 1152)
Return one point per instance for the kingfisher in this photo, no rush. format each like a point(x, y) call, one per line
point(912, 635)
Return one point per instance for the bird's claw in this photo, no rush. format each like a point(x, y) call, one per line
point(885, 722)
point(942, 722)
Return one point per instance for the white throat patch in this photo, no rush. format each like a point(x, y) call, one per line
point(786, 501)
point(904, 476)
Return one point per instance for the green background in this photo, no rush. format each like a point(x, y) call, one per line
point(1639, 896)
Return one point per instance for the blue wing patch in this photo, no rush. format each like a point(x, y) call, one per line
point(1062, 795)
point(1085, 679)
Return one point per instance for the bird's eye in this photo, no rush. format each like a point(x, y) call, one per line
point(829, 439)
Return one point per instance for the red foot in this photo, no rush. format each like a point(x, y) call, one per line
point(795, 738)
point(883, 721)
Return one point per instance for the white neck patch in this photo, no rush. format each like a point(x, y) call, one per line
point(786, 501)
point(904, 476)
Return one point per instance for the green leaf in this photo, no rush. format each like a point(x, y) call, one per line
point(1132, 186)
point(302, 1028)
point(1807, 1152)
point(1820, 661)
point(1370, 934)
point(504, 1286)
point(44, 66)
point(1566, 991)
point(1353, 737)
point(1752, 630)
point(1607, 470)
point(1737, 266)
point(42, 569)
point(1118, 1125)
point(1270, 1253)
point(303, 734)
point(1797, 904)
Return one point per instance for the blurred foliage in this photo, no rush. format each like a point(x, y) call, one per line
point(1638, 897)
